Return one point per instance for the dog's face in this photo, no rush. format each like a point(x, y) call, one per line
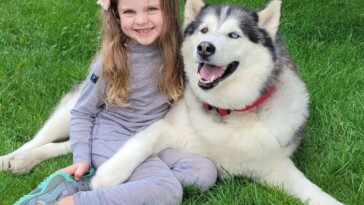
point(224, 45)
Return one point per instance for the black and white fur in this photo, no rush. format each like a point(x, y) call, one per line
point(256, 143)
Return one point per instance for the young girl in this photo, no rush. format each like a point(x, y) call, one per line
point(131, 84)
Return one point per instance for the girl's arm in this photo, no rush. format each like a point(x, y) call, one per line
point(84, 113)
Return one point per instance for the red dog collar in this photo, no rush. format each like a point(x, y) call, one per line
point(223, 112)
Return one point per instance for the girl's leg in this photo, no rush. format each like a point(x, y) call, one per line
point(151, 183)
point(190, 168)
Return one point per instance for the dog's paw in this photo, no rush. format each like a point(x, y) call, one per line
point(5, 162)
point(21, 163)
point(102, 180)
point(108, 177)
point(99, 182)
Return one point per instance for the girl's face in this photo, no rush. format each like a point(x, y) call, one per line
point(141, 20)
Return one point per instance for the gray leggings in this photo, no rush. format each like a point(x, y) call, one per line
point(158, 180)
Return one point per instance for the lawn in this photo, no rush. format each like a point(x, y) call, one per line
point(46, 47)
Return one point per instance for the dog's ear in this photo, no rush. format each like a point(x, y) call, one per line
point(269, 17)
point(192, 8)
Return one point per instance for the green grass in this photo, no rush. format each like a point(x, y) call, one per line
point(46, 47)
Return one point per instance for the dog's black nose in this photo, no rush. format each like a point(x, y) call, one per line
point(205, 49)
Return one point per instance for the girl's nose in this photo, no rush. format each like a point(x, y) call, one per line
point(141, 19)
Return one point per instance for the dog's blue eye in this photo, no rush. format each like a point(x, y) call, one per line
point(233, 35)
point(204, 30)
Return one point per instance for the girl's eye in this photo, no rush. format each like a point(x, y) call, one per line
point(204, 30)
point(128, 12)
point(152, 9)
point(233, 35)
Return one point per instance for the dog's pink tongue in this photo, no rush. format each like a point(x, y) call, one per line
point(209, 72)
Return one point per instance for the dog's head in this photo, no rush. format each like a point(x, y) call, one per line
point(228, 49)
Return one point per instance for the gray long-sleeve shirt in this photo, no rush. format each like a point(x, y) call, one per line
point(90, 119)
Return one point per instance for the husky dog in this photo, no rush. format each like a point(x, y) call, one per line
point(244, 107)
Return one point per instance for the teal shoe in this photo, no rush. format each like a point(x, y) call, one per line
point(55, 187)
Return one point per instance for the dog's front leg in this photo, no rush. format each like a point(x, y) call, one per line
point(285, 173)
point(56, 128)
point(138, 148)
point(23, 162)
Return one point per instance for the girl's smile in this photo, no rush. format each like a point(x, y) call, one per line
point(142, 20)
point(144, 31)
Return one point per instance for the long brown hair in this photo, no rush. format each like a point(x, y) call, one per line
point(115, 51)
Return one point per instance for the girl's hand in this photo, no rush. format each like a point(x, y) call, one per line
point(77, 170)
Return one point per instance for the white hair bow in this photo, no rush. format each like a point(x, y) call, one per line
point(105, 4)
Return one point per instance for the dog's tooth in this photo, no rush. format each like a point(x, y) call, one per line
point(212, 78)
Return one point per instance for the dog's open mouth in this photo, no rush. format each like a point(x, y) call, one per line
point(211, 75)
